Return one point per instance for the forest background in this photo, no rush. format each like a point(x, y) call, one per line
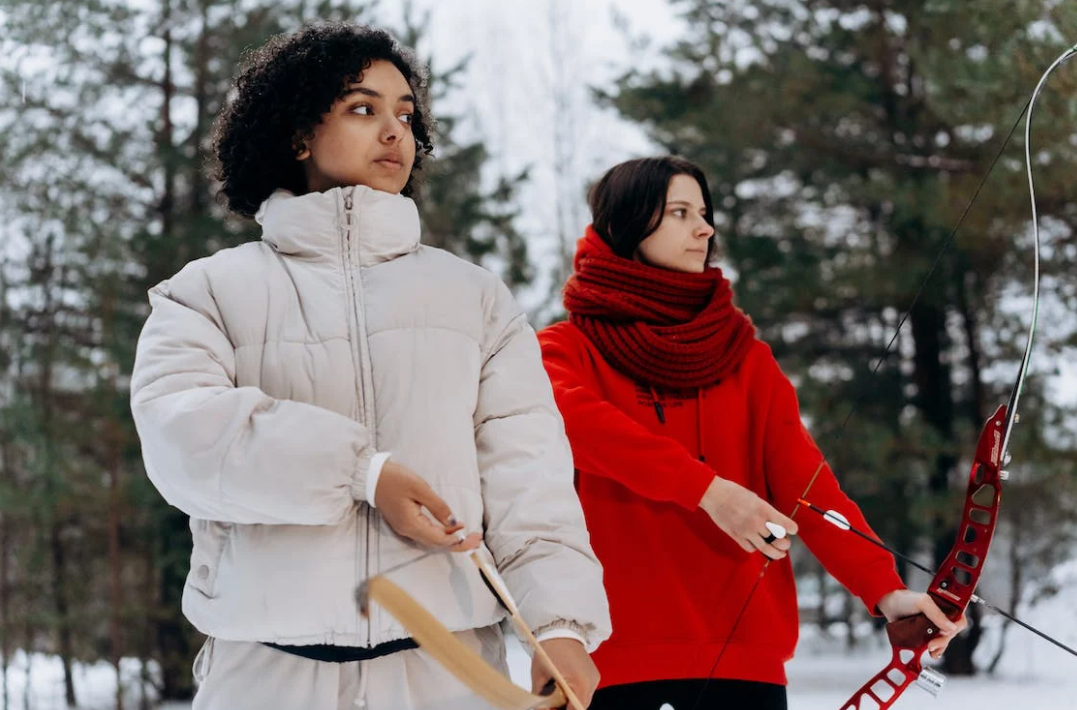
point(842, 139)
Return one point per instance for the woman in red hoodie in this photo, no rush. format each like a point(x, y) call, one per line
point(688, 442)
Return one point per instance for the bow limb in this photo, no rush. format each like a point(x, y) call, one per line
point(440, 643)
point(497, 586)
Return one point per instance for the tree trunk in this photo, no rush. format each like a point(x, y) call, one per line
point(199, 189)
point(52, 285)
point(174, 642)
point(8, 474)
point(166, 146)
point(116, 586)
point(113, 446)
point(822, 620)
point(149, 614)
point(63, 611)
point(1017, 583)
point(5, 589)
point(565, 148)
point(935, 400)
point(115, 559)
point(26, 689)
point(847, 613)
point(172, 635)
point(977, 400)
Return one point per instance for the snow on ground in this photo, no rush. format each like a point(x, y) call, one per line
point(95, 685)
point(1033, 673)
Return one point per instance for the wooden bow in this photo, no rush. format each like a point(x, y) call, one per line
point(470, 668)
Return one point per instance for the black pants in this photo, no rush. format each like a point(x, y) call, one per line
point(719, 694)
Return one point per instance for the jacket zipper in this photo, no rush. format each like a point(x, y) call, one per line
point(362, 552)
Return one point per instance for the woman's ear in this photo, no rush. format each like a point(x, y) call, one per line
point(302, 152)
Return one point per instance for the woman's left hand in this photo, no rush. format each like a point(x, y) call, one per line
point(905, 602)
point(575, 664)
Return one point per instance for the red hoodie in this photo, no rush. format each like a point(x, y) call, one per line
point(675, 581)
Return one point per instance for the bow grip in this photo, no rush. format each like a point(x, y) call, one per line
point(914, 632)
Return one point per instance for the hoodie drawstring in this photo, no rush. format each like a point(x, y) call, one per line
point(699, 423)
point(360, 696)
point(658, 406)
point(660, 412)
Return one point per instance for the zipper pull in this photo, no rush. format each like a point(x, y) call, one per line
point(348, 202)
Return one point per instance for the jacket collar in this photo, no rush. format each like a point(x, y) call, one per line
point(382, 225)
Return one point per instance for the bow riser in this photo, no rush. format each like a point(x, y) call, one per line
point(960, 572)
point(909, 639)
point(954, 583)
point(887, 685)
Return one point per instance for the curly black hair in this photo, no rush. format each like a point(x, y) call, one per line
point(282, 92)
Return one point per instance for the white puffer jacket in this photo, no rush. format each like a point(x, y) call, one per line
point(268, 375)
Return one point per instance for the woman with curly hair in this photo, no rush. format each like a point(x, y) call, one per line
point(689, 446)
point(335, 399)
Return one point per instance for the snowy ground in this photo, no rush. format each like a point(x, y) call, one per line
point(1033, 673)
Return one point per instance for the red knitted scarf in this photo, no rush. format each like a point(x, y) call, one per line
point(658, 326)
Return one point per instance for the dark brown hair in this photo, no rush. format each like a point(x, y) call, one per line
point(628, 202)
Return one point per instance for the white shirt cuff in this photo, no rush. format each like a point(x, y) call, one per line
point(373, 473)
point(560, 634)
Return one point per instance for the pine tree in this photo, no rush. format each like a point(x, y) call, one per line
point(842, 142)
point(104, 193)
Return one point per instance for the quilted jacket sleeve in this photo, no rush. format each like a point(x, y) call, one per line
point(227, 453)
point(534, 523)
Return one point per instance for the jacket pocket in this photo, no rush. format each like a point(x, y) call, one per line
point(210, 539)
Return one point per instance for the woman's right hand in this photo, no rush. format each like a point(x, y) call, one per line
point(401, 497)
point(743, 516)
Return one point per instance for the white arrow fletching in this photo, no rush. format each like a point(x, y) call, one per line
point(837, 519)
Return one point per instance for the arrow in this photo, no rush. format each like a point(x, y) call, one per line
point(842, 523)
